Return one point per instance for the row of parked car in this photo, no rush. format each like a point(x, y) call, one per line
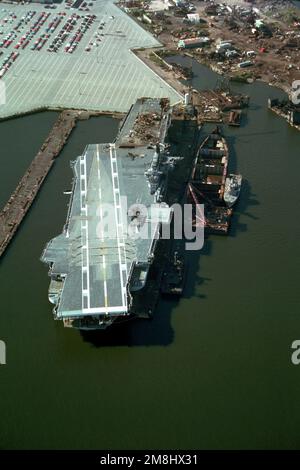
point(8, 39)
point(25, 39)
point(51, 27)
point(97, 38)
point(64, 33)
point(71, 33)
point(7, 63)
point(85, 6)
point(24, 20)
point(68, 30)
point(85, 25)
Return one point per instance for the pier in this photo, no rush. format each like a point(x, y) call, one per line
point(286, 109)
point(21, 199)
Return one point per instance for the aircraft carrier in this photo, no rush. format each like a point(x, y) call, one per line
point(101, 260)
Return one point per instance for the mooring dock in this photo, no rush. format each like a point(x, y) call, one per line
point(21, 199)
point(286, 109)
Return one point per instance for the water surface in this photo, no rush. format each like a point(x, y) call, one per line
point(212, 371)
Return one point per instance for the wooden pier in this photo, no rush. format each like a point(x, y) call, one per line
point(21, 199)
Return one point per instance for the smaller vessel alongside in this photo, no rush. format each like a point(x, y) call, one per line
point(233, 185)
point(174, 275)
point(235, 117)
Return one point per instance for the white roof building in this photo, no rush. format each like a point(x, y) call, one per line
point(193, 17)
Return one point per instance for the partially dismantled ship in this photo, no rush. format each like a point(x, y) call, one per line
point(207, 185)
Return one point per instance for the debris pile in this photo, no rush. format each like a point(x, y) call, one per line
point(287, 109)
point(219, 105)
point(146, 128)
point(246, 41)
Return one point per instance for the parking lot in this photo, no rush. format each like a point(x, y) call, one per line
point(74, 57)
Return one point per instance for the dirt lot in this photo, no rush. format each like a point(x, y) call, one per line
point(277, 65)
point(277, 59)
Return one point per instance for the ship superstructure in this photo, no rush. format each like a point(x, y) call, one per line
point(232, 189)
point(103, 255)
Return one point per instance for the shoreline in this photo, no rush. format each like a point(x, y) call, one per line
point(275, 63)
point(173, 78)
point(169, 76)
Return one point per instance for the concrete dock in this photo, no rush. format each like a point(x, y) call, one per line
point(107, 77)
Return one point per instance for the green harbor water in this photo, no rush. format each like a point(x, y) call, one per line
point(211, 371)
